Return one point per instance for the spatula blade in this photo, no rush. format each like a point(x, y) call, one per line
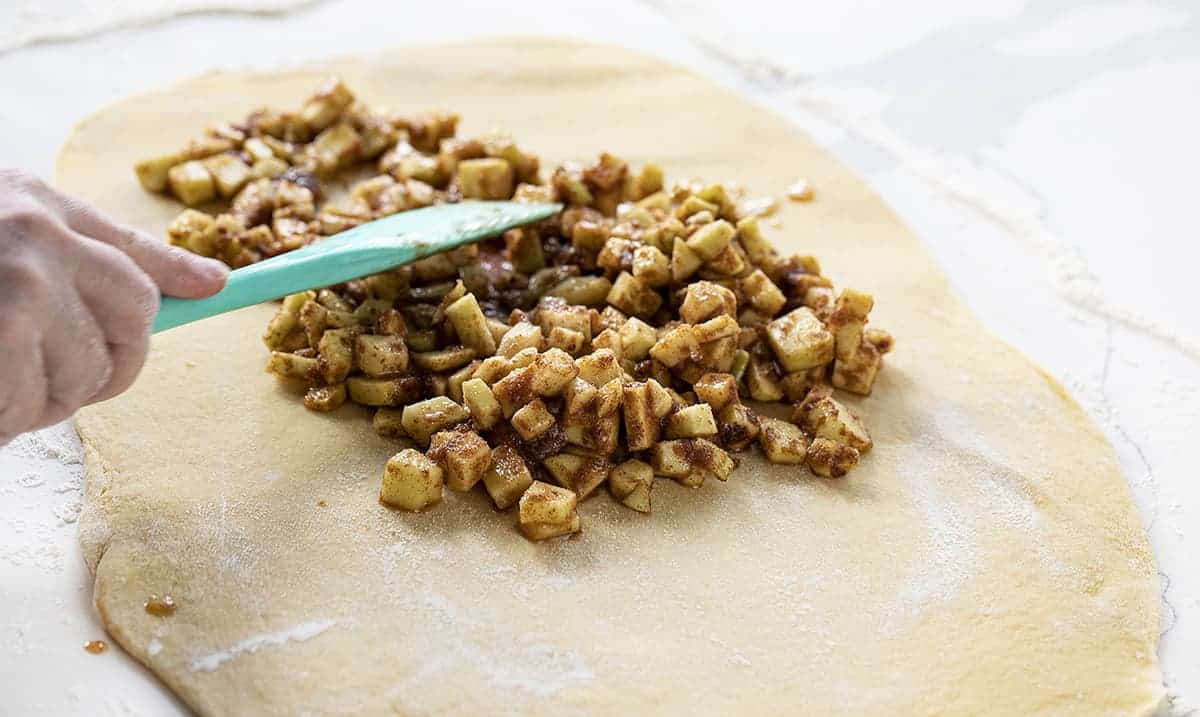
point(369, 248)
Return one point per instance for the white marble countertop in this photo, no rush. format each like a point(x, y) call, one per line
point(1045, 153)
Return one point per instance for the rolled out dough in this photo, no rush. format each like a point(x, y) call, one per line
point(985, 557)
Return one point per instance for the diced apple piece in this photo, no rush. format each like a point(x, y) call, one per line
point(334, 148)
point(880, 339)
point(630, 483)
point(288, 365)
point(758, 249)
point(684, 261)
point(847, 321)
point(507, 478)
point(857, 374)
point(229, 173)
point(524, 248)
point(670, 459)
point(711, 239)
point(598, 367)
point(782, 442)
point(636, 339)
point(728, 263)
point(323, 108)
point(693, 206)
point(582, 290)
point(336, 350)
point(411, 482)
point(424, 418)
point(463, 455)
point(825, 417)
point(651, 265)
point(547, 511)
point(595, 433)
point(488, 178)
point(830, 459)
point(325, 398)
point(692, 422)
point(717, 390)
point(522, 335)
point(800, 340)
point(762, 293)
point(676, 346)
point(763, 380)
point(634, 296)
point(446, 359)
point(689, 460)
point(369, 391)
point(455, 381)
point(739, 426)
point(552, 371)
point(152, 172)
point(192, 183)
point(704, 300)
point(580, 474)
point(608, 339)
point(514, 390)
point(532, 420)
point(471, 325)
point(642, 423)
point(482, 404)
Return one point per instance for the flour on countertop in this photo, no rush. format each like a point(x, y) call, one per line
point(58, 443)
point(297, 633)
point(27, 22)
point(30, 480)
point(43, 470)
point(1070, 276)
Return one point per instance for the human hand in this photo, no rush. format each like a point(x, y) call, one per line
point(78, 293)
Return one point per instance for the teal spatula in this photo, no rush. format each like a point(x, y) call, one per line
point(366, 249)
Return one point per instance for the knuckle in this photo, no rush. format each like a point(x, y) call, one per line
point(132, 237)
point(126, 368)
point(13, 324)
point(136, 286)
point(102, 372)
point(23, 411)
point(146, 298)
point(25, 221)
point(24, 281)
point(17, 178)
point(54, 412)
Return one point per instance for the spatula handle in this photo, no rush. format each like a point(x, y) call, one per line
point(287, 274)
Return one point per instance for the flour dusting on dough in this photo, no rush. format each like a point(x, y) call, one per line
point(952, 555)
point(297, 633)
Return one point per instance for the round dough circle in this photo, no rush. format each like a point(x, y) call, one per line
point(986, 557)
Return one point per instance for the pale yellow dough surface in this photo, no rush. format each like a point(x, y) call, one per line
point(986, 557)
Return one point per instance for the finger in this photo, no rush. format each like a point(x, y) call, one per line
point(124, 302)
point(127, 361)
point(76, 356)
point(121, 296)
point(177, 272)
point(25, 404)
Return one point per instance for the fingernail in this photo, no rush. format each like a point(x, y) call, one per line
point(217, 270)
